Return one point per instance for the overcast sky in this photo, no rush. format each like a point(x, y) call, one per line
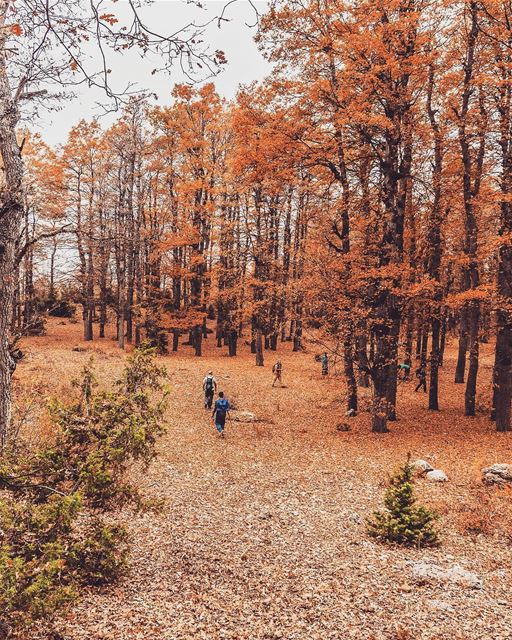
point(235, 38)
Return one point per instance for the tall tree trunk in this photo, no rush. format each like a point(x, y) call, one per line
point(474, 346)
point(11, 217)
point(433, 398)
point(348, 366)
point(460, 368)
point(259, 348)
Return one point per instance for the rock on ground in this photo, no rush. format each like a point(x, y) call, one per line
point(422, 466)
point(437, 475)
point(426, 571)
point(245, 416)
point(497, 474)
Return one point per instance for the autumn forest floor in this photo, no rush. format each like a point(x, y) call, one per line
point(262, 534)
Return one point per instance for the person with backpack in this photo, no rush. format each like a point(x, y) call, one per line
point(277, 370)
point(220, 411)
point(209, 388)
point(421, 374)
point(404, 371)
point(325, 363)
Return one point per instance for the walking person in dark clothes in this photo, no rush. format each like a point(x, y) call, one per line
point(325, 363)
point(421, 374)
point(209, 388)
point(220, 411)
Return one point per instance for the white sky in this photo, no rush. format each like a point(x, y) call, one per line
point(235, 38)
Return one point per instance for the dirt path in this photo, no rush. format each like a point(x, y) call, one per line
point(262, 534)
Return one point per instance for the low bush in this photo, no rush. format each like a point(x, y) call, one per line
point(57, 528)
point(61, 309)
point(403, 522)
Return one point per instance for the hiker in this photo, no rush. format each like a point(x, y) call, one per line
point(277, 370)
point(325, 363)
point(220, 410)
point(209, 388)
point(404, 370)
point(421, 374)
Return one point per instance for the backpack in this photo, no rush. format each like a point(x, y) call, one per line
point(209, 384)
point(222, 406)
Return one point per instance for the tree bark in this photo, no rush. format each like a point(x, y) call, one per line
point(11, 217)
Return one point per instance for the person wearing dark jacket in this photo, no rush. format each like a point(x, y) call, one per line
point(220, 411)
point(421, 374)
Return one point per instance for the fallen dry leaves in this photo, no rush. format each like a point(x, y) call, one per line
point(262, 534)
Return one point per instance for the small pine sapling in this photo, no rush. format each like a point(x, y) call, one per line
point(403, 522)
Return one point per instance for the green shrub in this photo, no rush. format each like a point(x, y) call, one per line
point(402, 521)
point(101, 555)
point(61, 309)
point(53, 536)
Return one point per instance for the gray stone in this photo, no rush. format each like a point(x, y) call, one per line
point(438, 605)
point(437, 476)
point(422, 466)
point(355, 518)
point(428, 572)
point(245, 416)
point(498, 473)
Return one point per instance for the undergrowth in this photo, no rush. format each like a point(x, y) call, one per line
point(58, 526)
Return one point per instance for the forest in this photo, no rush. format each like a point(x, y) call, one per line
point(342, 227)
point(362, 190)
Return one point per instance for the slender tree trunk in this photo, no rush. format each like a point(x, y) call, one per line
point(433, 400)
point(409, 335)
point(348, 365)
point(474, 346)
point(443, 339)
point(259, 348)
point(362, 359)
point(460, 369)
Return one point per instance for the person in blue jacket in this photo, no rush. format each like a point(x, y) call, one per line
point(220, 411)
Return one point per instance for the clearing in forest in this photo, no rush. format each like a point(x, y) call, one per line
point(262, 534)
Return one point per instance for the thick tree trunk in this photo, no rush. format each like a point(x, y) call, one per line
point(11, 217)
point(502, 395)
point(232, 342)
point(198, 340)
